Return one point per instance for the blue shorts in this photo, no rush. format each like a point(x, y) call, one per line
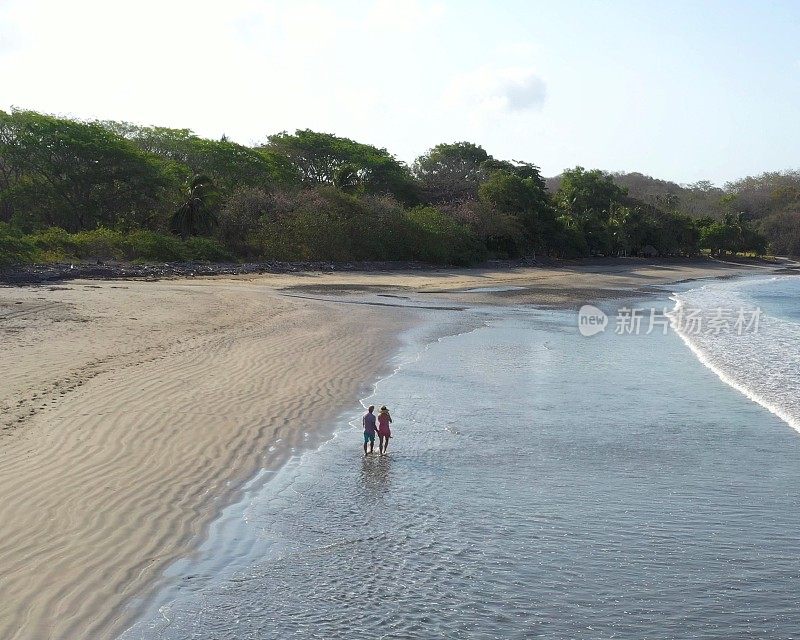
point(369, 437)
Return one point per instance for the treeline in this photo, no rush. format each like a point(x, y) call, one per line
point(770, 202)
point(75, 190)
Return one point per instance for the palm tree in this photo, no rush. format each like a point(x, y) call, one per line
point(194, 216)
point(736, 224)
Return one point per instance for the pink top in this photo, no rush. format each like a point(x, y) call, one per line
point(383, 424)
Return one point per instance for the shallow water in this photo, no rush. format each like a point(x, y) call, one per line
point(779, 297)
point(540, 484)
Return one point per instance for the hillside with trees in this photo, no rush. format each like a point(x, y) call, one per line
point(72, 190)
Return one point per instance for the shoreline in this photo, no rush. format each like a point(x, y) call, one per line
point(45, 273)
point(231, 542)
point(63, 601)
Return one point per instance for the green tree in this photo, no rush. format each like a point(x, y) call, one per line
point(583, 192)
point(783, 232)
point(589, 199)
point(195, 216)
point(325, 159)
point(441, 239)
point(636, 226)
point(714, 237)
point(629, 230)
point(240, 219)
point(509, 193)
point(526, 199)
point(76, 175)
point(734, 233)
point(14, 247)
point(568, 239)
point(765, 194)
point(686, 234)
point(228, 164)
point(517, 167)
point(346, 179)
point(451, 172)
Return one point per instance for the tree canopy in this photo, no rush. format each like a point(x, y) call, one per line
point(72, 190)
point(585, 193)
point(326, 159)
point(195, 216)
point(230, 165)
point(58, 172)
point(451, 172)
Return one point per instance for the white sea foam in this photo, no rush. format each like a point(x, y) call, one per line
point(762, 364)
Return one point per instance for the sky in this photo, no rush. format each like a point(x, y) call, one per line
point(681, 90)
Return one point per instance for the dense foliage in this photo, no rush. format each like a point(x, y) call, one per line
point(72, 190)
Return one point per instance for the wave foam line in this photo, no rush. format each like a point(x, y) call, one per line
point(793, 422)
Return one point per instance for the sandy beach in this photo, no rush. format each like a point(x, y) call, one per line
point(131, 412)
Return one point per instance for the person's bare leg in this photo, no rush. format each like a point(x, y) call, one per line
point(371, 445)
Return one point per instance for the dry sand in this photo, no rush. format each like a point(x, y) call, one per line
point(130, 412)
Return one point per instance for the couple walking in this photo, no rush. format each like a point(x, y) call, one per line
point(383, 420)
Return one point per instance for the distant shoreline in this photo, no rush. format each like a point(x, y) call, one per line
point(31, 274)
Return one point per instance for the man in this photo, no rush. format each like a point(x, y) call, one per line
point(369, 429)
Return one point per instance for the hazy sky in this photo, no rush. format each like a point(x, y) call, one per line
point(680, 90)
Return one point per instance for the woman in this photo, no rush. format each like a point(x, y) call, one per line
point(384, 432)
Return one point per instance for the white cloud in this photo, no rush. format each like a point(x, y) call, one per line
point(489, 89)
point(525, 92)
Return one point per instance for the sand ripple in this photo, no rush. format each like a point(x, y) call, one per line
point(128, 414)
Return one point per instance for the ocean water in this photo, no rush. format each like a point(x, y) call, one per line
point(759, 356)
point(540, 484)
